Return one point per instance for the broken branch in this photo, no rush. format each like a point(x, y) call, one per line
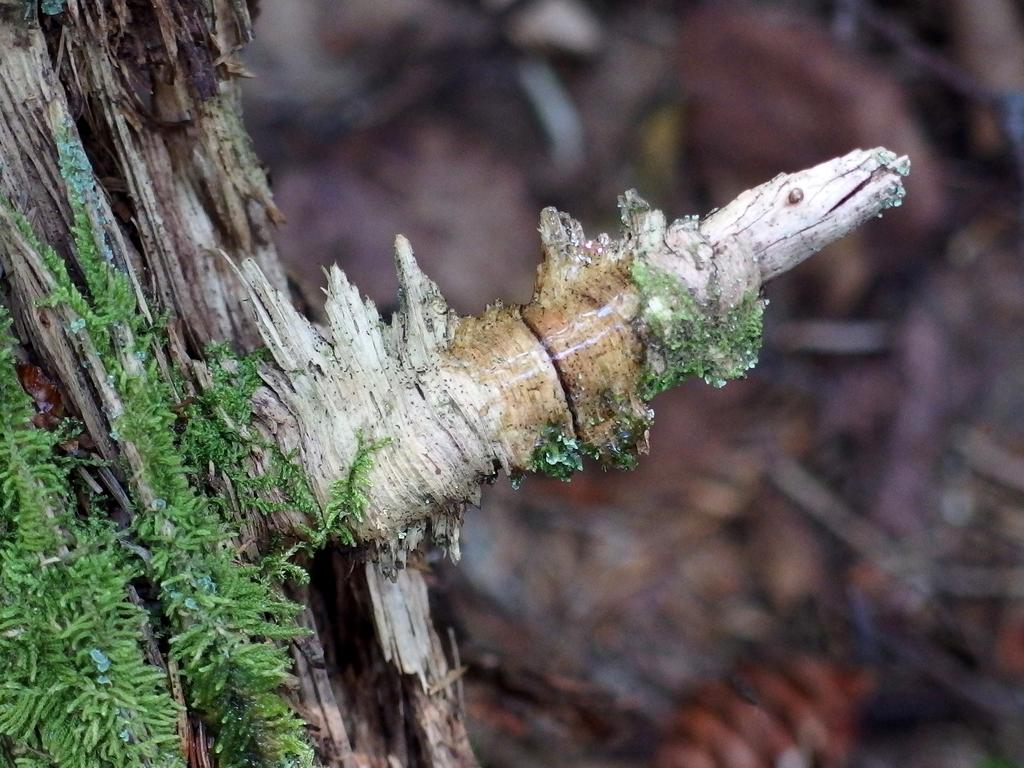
point(612, 323)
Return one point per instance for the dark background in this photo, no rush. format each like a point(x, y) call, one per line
point(820, 565)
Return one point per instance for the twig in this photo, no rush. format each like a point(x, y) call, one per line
point(935, 65)
point(115, 489)
point(1011, 113)
point(910, 567)
point(1008, 106)
point(981, 582)
point(992, 461)
point(87, 478)
point(555, 111)
point(830, 511)
point(998, 701)
point(845, 19)
point(458, 665)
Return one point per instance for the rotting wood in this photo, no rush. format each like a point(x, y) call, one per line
point(196, 161)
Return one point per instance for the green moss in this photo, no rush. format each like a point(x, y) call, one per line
point(558, 454)
point(630, 422)
point(997, 762)
point(684, 340)
point(348, 497)
point(223, 617)
point(221, 612)
point(76, 690)
point(621, 451)
point(218, 435)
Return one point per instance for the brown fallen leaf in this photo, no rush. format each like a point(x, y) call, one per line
point(47, 398)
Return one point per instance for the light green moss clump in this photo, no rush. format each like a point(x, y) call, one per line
point(348, 497)
point(558, 454)
point(684, 340)
point(52, 7)
point(218, 436)
point(223, 618)
point(76, 688)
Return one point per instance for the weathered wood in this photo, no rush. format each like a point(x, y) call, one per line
point(154, 87)
point(459, 398)
point(167, 114)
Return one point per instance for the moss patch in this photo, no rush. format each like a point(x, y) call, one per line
point(217, 436)
point(223, 618)
point(77, 689)
point(629, 422)
point(348, 497)
point(558, 454)
point(684, 340)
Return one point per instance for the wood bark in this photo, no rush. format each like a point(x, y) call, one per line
point(151, 90)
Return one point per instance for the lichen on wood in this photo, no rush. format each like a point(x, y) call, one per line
point(683, 340)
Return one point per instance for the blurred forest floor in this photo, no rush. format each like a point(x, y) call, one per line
point(821, 565)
